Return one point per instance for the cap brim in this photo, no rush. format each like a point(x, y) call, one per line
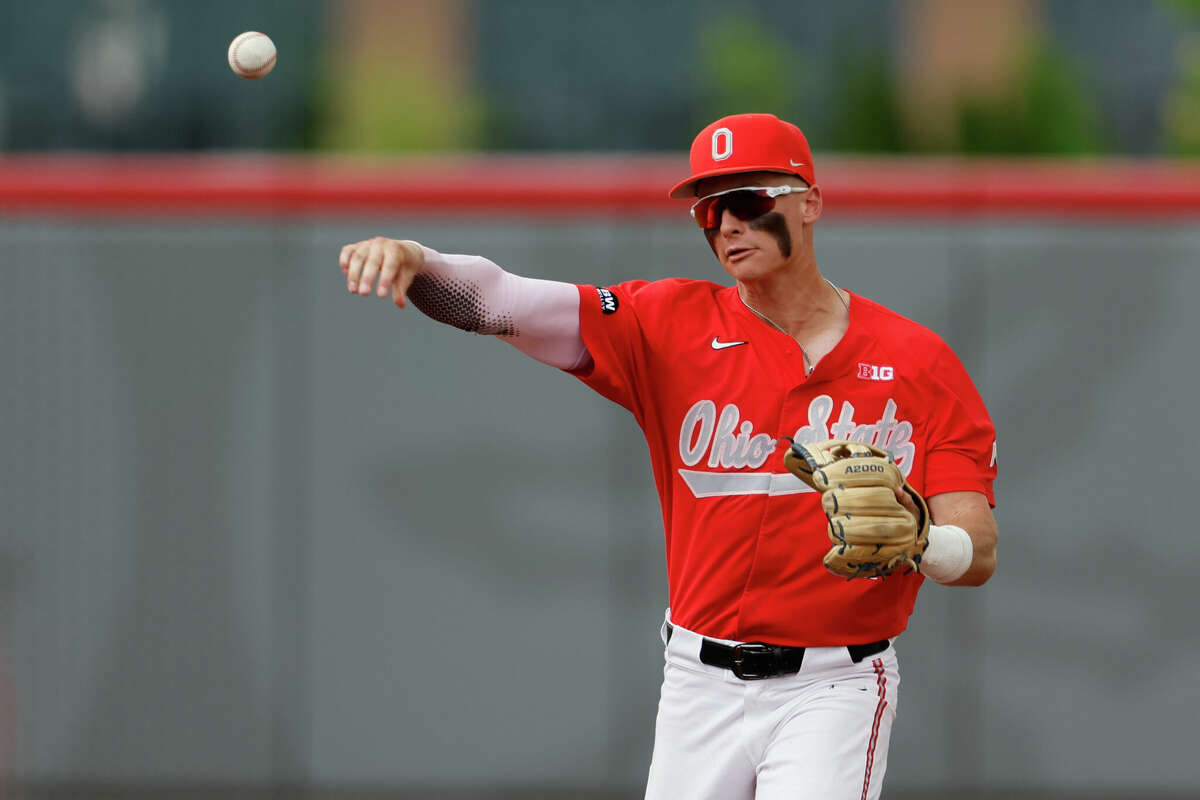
point(686, 188)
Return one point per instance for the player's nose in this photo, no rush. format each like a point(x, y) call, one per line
point(731, 225)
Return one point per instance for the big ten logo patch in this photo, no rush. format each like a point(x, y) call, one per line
point(874, 372)
point(608, 301)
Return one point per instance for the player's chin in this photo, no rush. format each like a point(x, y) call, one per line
point(746, 265)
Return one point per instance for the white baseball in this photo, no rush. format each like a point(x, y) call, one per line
point(252, 54)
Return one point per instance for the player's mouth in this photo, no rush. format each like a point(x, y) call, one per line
point(737, 253)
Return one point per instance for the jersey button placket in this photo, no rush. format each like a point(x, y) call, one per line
point(793, 357)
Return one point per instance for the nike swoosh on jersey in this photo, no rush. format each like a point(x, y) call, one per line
point(719, 345)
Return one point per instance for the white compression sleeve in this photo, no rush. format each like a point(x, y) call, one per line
point(949, 554)
point(540, 318)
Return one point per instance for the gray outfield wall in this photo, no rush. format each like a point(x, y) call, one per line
point(257, 531)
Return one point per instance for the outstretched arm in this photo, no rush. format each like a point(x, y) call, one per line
point(540, 318)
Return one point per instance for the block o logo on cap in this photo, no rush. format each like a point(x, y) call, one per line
point(722, 144)
point(765, 143)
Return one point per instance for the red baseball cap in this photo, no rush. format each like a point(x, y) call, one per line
point(747, 143)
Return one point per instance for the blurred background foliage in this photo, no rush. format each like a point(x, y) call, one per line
point(1049, 110)
point(1071, 77)
point(741, 61)
point(1181, 108)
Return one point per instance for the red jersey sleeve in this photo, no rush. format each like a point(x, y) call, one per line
point(961, 454)
point(612, 331)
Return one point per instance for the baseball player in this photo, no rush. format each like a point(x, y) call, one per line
point(817, 457)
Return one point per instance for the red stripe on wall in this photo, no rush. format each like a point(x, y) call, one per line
point(629, 187)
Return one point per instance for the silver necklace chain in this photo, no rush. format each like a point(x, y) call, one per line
point(808, 365)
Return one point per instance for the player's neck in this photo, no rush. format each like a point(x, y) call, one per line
point(799, 301)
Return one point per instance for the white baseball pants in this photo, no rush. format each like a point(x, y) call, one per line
point(819, 734)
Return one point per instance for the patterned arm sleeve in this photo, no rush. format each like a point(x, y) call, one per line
point(538, 317)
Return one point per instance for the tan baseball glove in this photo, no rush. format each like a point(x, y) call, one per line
point(872, 533)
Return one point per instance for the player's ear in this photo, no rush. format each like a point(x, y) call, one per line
point(812, 205)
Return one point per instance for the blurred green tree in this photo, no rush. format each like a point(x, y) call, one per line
point(1049, 112)
point(745, 66)
point(1188, 9)
point(866, 117)
point(1181, 105)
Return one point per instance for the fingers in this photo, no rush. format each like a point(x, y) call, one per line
point(394, 263)
point(371, 264)
point(353, 256)
point(906, 500)
point(390, 264)
point(411, 260)
point(400, 288)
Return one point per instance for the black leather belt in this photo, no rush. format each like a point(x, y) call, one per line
point(754, 661)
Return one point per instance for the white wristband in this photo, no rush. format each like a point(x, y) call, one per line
point(949, 554)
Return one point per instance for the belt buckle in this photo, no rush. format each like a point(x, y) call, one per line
point(752, 649)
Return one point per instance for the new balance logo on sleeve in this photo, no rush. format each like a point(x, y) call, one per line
point(608, 301)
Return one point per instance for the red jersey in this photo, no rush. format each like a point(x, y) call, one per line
point(713, 387)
